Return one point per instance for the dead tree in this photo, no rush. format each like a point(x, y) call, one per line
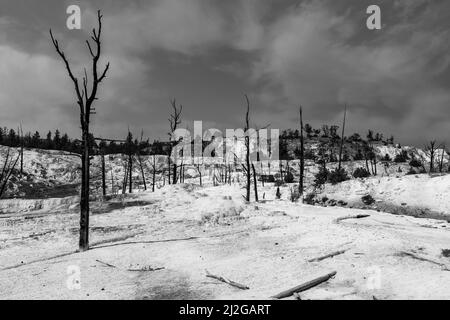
point(103, 172)
point(9, 166)
point(246, 167)
point(126, 167)
point(342, 140)
point(302, 155)
point(441, 162)
point(85, 101)
point(174, 122)
point(153, 173)
point(199, 173)
point(130, 150)
point(255, 183)
point(102, 145)
point(430, 150)
point(21, 149)
point(138, 154)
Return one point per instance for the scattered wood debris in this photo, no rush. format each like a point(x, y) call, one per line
point(359, 216)
point(330, 255)
point(305, 286)
point(414, 256)
point(228, 281)
point(147, 268)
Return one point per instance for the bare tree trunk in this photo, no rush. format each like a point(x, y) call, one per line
point(262, 174)
point(84, 203)
point(21, 150)
point(143, 174)
point(103, 174)
point(431, 149)
point(255, 183)
point(441, 163)
point(174, 176)
point(112, 183)
point(169, 173)
point(247, 151)
point(125, 178)
point(342, 140)
point(154, 173)
point(302, 155)
point(200, 173)
point(130, 172)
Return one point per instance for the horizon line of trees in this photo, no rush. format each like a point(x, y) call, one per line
point(62, 142)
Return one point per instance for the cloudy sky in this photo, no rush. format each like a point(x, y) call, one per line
point(208, 53)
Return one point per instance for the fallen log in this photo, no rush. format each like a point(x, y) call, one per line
point(359, 216)
point(228, 281)
point(330, 255)
point(305, 286)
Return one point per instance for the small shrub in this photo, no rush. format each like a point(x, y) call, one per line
point(321, 177)
point(309, 198)
point(387, 158)
point(401, 157)
point(336, 176)
point(368, 200)
point(289, 178)
point(411, 171)
point(279, 183)
point(361, 173)
point(415, 163)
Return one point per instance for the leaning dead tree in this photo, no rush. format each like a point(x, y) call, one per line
point(174, 122)
point(85, 101)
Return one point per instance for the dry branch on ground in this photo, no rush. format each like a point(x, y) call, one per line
point(330, 255)
point(305, 286)
point(228, 281)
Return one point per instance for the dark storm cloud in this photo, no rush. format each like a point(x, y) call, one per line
point(208, 53)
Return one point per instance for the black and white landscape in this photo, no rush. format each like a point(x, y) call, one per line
point(124, 173)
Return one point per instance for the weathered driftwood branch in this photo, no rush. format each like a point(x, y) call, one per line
point(106, 264)
point(305, 286)
point(228, 281)
point(359, 216)
point(330, 255)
